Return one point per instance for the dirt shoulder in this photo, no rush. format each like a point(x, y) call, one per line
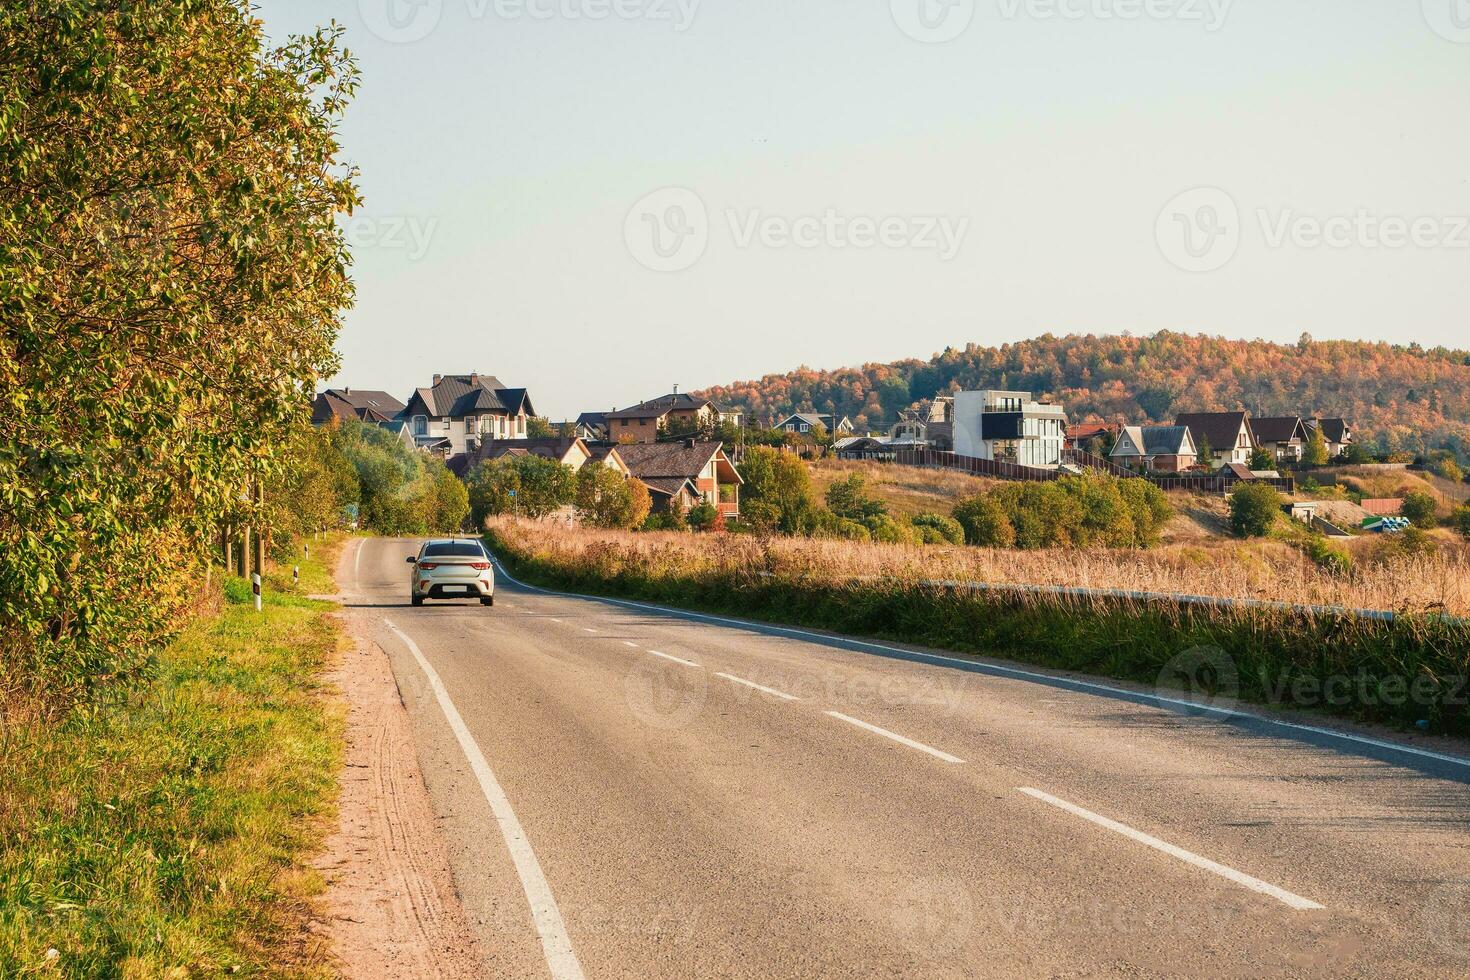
point(391, 909)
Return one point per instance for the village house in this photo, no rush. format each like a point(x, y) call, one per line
point(464, 410)
point(805, 423)
point(1227, 434)
point(572, 453)
point(1156, 448)
point(1087, 434)
point(1284, 437)
point(677, 413)
point(686, 471)
point(591, 426)
point(1335, 432)
point(373, 407)
point(1009, 427)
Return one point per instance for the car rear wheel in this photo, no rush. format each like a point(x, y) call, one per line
point(417, 600)
point(488, 600)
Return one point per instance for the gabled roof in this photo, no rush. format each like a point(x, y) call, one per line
point(683, 460)
point(461, 395)
point(554, 448)
point(828, 422)
point(1333, 430)
point(1155, 440)
point(1279, 429)
point(1219, 429)
point(369, 406)
point(1091, 430)
point(657, 408)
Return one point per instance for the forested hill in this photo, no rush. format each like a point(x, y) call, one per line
point(1403, 398)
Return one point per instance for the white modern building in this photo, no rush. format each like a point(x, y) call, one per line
point(1009, 427)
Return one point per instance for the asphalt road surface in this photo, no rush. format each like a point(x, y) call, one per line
point(632, 792)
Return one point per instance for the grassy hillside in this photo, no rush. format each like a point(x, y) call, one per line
point(1402, 398)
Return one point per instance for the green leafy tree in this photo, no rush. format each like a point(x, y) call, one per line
point(1261, 459)
point(1316, 452)
point(705, 516)
point(849, 498)
point(1421, 509)
point(777, 491)
point(1254, 509)
point(492, 488)
point(947, 529)
point(546, 485)
point(539, 428)
point(605, 498)
point(985, 522)
point(173, 275)
point(1206, 454)
point(1357, 454)
point(443, 499)
point(1462, 521)
point(1443, 464)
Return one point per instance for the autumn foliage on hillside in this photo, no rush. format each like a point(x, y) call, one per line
point(1400, 398)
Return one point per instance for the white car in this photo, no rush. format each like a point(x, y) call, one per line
point(452, 569)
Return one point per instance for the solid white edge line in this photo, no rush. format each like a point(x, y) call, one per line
point(357, 563)
point(937, 658)
point(759, 687)
point(1240, 878)
point(896, 737)
point(677, 660)
point(556, 945)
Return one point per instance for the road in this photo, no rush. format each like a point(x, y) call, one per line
point(628, 792)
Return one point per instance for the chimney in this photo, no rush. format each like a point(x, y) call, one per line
point(475, 380)
point(688, 443)
point(676, 391)
point(438, 378)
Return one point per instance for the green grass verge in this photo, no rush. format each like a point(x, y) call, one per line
point(1411, 672)
point(163, 831)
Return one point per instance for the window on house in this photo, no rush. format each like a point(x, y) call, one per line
point(420, 425)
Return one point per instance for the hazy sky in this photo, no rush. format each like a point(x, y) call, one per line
point(597, 199)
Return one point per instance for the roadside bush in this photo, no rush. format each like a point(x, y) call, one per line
point(670, 519)
point(889, 531)
point(606, 498)
point(704, 516)
point(777, 494)
point(173, 274)
point(1462, 522)
point(1328, 558)
point(985, 522)
point(849, 498)
point(1421, 509)
point(930, 535)
point(947, 529)
point(826, 524)
point(1254, 508)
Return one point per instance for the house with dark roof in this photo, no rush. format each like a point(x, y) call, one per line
point(373, 407)
point(1155, 448)
point(1284, 437)
point(687, 471)
point(466, 410)
point(1335, 432)
point(569, 452)
point(675, 414)
point(1228, 435)
point(591, 426)
point(805, 423)
point(1085, 434)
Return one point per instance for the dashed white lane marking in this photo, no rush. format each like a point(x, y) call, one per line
point(629, 643)
point(677, 660)
point(555, 620)
point(556, 945)
point(767, 690)
point(1254, 884)
point(897, 738)
point(588, 629)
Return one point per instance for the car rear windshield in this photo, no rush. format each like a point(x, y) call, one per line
point(455, 549)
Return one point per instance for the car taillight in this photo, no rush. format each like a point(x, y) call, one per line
point(427, 566)
point(480, 566)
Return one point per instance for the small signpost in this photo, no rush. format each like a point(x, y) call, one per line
point(255, 589)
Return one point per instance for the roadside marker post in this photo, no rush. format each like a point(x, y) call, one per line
point(295, 575)
point(255, 589)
